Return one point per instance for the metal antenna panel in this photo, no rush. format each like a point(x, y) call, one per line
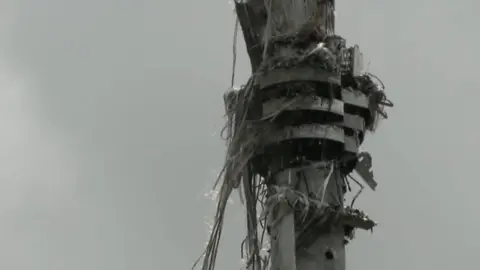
point(357, 61)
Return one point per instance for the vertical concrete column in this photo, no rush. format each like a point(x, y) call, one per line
point(325, 248)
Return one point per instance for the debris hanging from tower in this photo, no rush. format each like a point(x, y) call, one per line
point(293, 134)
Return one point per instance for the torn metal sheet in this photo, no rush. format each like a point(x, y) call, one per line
point(364, 169)
point(357, 219)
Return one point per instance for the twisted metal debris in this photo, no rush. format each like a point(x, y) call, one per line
point(293, 132)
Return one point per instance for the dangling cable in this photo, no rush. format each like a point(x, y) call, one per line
point(234, 51)
point(325, 184)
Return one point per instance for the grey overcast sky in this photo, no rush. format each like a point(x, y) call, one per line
point(109, 112)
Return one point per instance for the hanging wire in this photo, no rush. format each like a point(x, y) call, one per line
point(234, 52)
point(325, 184)
point(358, 193)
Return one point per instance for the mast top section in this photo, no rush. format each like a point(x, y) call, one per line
point(271, 21)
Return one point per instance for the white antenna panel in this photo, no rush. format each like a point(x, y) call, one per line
point(357, 61)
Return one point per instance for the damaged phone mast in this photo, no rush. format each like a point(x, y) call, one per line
point(293, 133)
